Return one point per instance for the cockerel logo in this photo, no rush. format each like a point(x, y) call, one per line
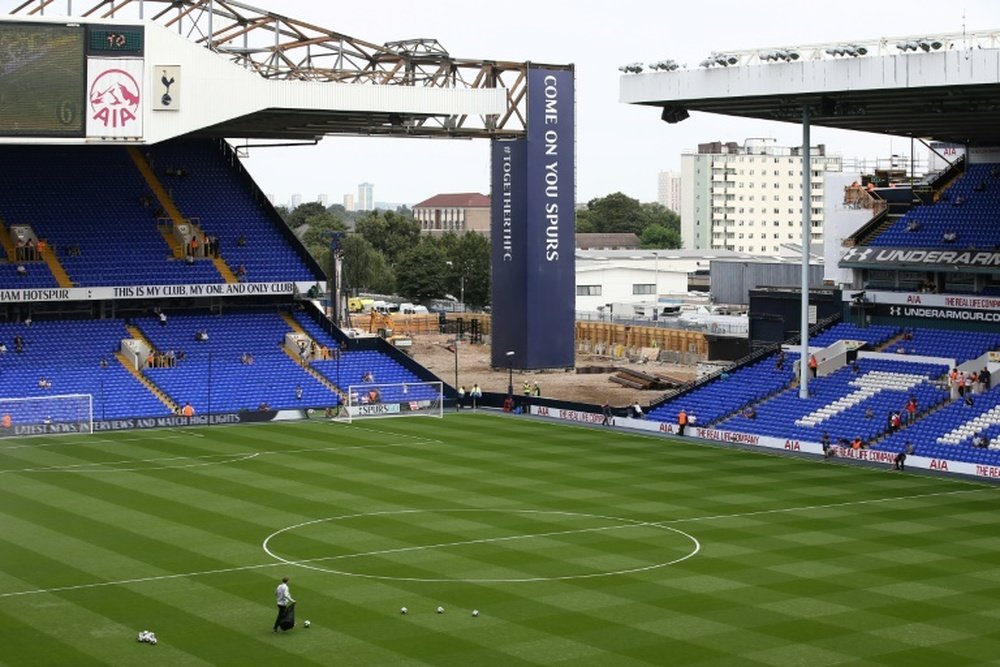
point(114, 98)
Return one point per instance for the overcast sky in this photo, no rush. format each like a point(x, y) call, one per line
point(620, 147)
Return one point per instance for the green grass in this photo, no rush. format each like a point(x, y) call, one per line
point(579, 546)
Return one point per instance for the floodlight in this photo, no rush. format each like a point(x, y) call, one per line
point(631, 68)
point(664, 65)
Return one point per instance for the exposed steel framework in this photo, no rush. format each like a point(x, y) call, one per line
point(279, 47)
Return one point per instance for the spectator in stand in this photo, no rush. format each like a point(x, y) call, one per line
point(813, 365)
point(241, 273)
point(984, 378)
point(298, 392)
point(779, 362)
point(682, 421)
point(163, 318)
point(241, 242)
point(3, 347)
point(949, 236)
point(981, 441)
point(187, 410)
point(21, 270)
point(637, 410)
point(913, 226)
point(750, 412)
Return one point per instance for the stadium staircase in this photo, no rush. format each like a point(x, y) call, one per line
point(147, 383)
point(162, 196)
point(55, 266)
point(9, 248)
point(297, 328)
point(173, 212)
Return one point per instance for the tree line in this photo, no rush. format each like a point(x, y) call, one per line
point(384, 252)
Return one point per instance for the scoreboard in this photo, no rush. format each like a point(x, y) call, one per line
point(43, 74)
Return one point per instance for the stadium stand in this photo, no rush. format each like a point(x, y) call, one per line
point(217, 196)
point(966, 210)
point(101, 194)
point(76, 357)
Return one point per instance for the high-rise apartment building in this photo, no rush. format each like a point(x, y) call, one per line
point(749, 198)
point(296, 201)
point(349, 202)
point(668, 190)
point(366, 197)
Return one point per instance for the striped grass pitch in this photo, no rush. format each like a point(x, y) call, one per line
point(579, 546)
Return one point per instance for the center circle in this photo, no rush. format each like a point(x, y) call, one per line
point(469, 545)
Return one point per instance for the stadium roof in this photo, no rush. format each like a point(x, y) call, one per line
point(943, 88)
point(280, 48)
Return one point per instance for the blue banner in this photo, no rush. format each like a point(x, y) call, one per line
point(551, 219)
point(508, 330)
point(534, 231)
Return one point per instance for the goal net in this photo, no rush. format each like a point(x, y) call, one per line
point(407, 399)
point(46, 415)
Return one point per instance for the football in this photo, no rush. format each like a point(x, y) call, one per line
point(403, 610)
point(440, 610)
point(475, 612)
point(306, 624)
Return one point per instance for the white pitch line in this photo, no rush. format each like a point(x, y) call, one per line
point(140, 580)
point(805, 508)
point(97, 466)
point(92, 441)
point(136, 580)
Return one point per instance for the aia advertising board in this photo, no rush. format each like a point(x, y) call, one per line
point(534, 220)
point(767, 442)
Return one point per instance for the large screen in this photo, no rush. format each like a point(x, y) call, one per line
point(42, 80)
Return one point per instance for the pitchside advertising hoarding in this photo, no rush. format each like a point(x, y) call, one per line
point(534, 220)
point(767, 442)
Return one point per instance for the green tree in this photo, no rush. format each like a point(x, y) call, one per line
point(615, 213)
point(303, 213)
point(658, 236)
point(389, 233)
point(422, 270)
point(470, 258)
point(365, 268)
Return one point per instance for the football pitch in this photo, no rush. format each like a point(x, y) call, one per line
point(577, 545)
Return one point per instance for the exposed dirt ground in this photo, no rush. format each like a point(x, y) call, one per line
point(474, 366)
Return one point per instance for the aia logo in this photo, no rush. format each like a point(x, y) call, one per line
point(114, 98)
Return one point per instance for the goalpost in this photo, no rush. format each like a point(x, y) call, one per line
point(406, 399)
point(46, 415)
